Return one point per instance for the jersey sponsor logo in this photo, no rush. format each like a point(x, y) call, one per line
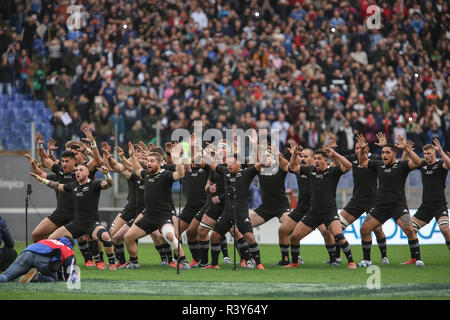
point(428, 172)
point(67, 176)
point(388, 170)
point(79, 194)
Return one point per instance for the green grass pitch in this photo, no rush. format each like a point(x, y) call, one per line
point(313, 280)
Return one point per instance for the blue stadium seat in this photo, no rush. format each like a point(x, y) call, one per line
point(12, 105)
point(27, 97)
point(27, 104)
point(17, 97)
point(48, 113)
point(4, 98)
point(39, 104)
point(15, 90)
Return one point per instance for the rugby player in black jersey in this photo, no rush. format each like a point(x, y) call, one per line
point(273, 191)
point(434, 203)
point(158, 204)
point(93, 248)
point(134, 206)
point(161, 246)
point(364, 195)
point(391, 199)
point(237, 184)
point(86, 195)
point(324, 180)
point(215, 186)
point(304, 157)
point(194, 181)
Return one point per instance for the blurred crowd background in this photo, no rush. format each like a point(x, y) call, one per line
point(303, 67)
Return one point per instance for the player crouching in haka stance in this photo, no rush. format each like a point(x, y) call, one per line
point(391, 199)
point(158, 204)
point(86, 193)
point(324, 180)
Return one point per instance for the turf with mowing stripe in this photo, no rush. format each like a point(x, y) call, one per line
point(313, 280)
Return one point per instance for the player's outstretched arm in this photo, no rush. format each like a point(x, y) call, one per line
point(96, 160)
point(113, 165)
point(414, 159)
point(176, 157)
point(126, 162)
point(363, 159)
point(137, 169)
point(108, 182)
point(35, 167)
point(340, 160)
point(437, 146)
point(51, 184)
point(43, 156)
point(294, 149)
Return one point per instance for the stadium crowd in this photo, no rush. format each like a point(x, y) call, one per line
point(303, 67)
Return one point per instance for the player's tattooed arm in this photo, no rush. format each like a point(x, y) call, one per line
point(445, 157)
point(108, 182)
point(51, 184)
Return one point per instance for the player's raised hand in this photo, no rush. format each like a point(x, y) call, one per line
point(292, 147)
point(107, 154)
point(332, 141)
point(381, 139)
point(437, 145)
point(402, 143)
point(89, 137)
point(168, 146)
point(119, 151)
point(38, 138)
point(143, 146)
point(327, 149)
point(177, 151)
point(37, 177)
point(106, 147)
point(51, 144)
point(131, 150)
point(104, 170)
point(361, 141)
point(29, 158)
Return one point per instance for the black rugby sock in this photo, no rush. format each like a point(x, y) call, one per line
point(93, 245)
point(242, 246)
point(338, 251)
point(204, 252)
point(134, 259)
point(284, 248)
point(85, 251)
point(224, 246)
point(161, 251)
point(295, 252)
point(193, 247)
point(120, 253)
point(347, 251)
point(382, 246)
point(215, 251)
point(111, 258)
point(414, 247)
point(254, 252)
point(448, 244)
point(366, 247)
point(332, 253)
